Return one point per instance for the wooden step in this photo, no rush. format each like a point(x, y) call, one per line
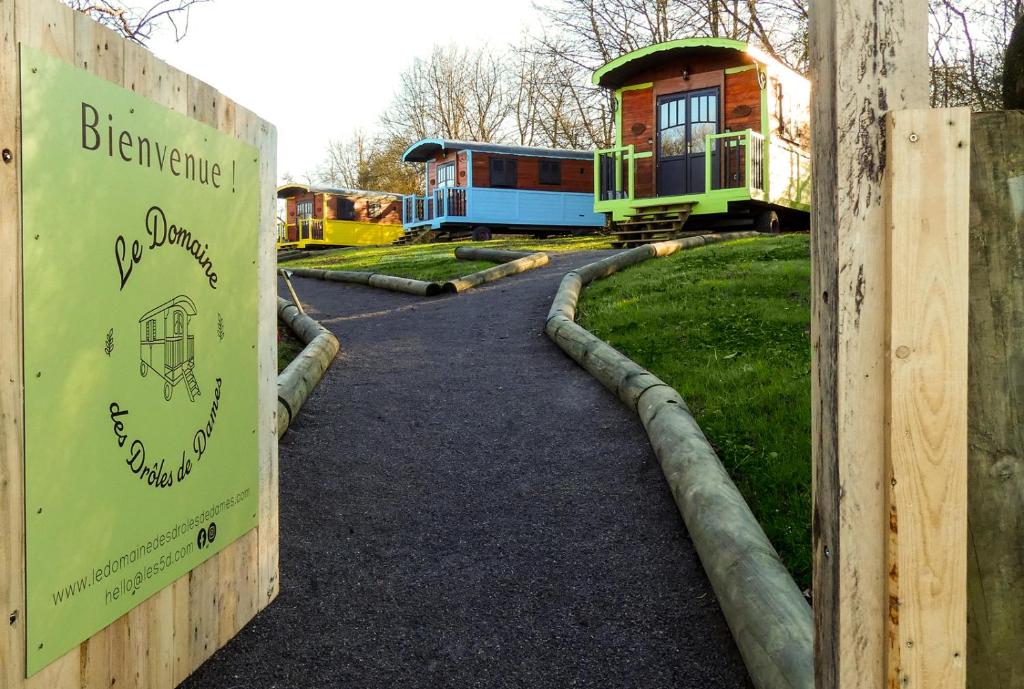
point(662, 210)
point(667, 230)
point(665, 221)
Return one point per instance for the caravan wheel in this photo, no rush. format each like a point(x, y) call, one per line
point(767, 222)
point(167, 391)
point(481, 233)
point(143, 370)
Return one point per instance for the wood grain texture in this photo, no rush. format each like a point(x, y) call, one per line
point(98, 50)
point(995, 441)
point(867, 56)
point(926, 184)
point(12, 497)
point(160, 642)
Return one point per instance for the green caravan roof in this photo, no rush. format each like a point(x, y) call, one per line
point(616, 72)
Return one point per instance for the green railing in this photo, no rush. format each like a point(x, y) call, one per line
point(614, 173)
point(740, 158)
point(733, 160)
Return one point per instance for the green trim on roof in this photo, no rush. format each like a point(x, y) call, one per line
point(635, 87)
point(618, 62)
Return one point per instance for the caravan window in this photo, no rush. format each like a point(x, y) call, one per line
point(550, 172)
point(304, 209)
point(446, 175)
point(345, 209)
point(503, 172)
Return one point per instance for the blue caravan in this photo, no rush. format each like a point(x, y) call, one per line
point(478, 188)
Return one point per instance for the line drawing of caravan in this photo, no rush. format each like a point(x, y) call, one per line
point(166, 347)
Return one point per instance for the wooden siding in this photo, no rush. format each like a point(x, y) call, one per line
point(740, 91)
point(460, 168)
point(391, 207)
point(577, 175)
point(713, 60)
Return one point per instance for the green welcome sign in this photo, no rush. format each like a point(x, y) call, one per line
point(140, 237)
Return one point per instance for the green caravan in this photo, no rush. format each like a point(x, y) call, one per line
point(709, 133)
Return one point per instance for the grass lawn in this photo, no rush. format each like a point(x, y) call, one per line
point(729, 327)
point(434, 262)
point(288, 347)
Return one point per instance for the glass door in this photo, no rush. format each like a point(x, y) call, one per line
point(684, 119)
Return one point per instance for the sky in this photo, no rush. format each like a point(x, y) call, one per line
point(320, 69)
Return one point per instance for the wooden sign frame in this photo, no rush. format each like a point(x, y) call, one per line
point(164, 639)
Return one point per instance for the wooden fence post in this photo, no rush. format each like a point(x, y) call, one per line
point(867, 57)
point(995, 584)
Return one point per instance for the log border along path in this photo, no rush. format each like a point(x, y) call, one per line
point(767, 614)
point(462, 506)
point(511, 263)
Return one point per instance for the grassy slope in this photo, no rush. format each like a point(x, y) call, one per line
point(728, 326)
point(435, 262)
point(288, 347)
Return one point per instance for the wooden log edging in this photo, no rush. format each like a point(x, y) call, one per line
point(766, 613)
point(300, 377)
point(288, 255)
point(512, 262)
point(390, 282)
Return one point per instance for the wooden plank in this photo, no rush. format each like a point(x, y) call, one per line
point(927, 183)
point(203, 590)
point(867, 56)
point(160, 630)
point(12, 500)
point(48, 27)
point(264, 136)
point(995, 503)
point(238, 597)
point(181, 666)
point(95, 660)
point(204, 102)
point(98, 50)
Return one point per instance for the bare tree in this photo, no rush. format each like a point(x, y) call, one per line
point(346, 163)
point(137, 24)
point(456, 94)
point(589, 33)
point(1013, 71)
point(555, 107)
point(968, 43)
point(361, 162)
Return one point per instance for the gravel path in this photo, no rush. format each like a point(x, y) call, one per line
point(462, 506)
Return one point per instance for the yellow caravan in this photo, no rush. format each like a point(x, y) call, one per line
point(317, 216)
